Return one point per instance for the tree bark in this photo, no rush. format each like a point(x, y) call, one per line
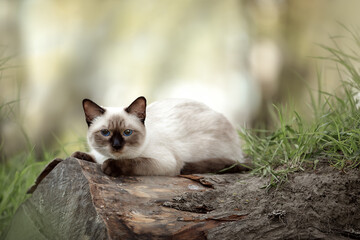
point(73, 199)
point(77, 201)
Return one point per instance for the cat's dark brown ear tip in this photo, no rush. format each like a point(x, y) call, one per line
point(138, 104)
point(91, 110)
point(138, 108)
point(142, 98)
point(85, 101)
point(89, 103)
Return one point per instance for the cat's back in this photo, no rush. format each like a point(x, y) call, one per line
point(177, 112)
point(173, 107)
point(192, 127)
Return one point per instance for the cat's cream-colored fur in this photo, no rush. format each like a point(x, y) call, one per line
point(175, 132)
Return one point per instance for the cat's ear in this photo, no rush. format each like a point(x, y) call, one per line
point(138, 108)
point(91, 110)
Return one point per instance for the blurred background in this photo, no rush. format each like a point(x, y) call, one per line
point(237, 56)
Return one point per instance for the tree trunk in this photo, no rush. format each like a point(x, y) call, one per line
point(75, 200)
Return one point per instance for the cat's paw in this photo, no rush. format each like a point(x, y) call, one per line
point(115, 168)
point(111, 168)
point(83, 156)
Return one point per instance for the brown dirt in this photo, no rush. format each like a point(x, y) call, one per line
point(315, 204)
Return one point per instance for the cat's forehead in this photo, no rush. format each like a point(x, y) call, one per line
point(112, 118)
point(118, 118)
point(115, 118)
point(115, 121)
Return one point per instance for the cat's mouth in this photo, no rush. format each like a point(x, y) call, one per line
point(116, 152)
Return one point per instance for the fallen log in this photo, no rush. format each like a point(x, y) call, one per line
point(73, 199)
point(77, 201)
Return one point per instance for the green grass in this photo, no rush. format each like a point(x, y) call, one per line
point(16, 176)
point(332, 136)
point(18, 172)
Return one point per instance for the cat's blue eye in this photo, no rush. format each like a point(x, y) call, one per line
point(128, 132)
point(105, 132)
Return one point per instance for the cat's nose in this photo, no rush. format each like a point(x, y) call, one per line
point(117, 145)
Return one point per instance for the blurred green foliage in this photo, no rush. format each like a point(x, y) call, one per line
point(332, 136)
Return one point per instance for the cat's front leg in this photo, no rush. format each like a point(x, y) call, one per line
point(140, 166)
point(83, 156)
point(115, 168)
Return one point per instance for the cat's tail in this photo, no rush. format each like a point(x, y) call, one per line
point(216, 165)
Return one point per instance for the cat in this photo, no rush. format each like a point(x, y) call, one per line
point(168, 137)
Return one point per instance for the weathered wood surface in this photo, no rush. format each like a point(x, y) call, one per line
point(77, 201)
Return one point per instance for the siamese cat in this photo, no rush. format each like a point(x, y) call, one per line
point(167, 138)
